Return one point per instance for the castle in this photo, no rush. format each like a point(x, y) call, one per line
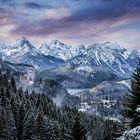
point(27, 78)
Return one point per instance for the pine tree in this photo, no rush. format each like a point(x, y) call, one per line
point(132, 101)
point(40, 126)
point(53, 130)
point(11, 124)
point(5, 80)
point(78, 130)
point(13, 85)
point(20, 121)
point(28, 130)
point(4, 134)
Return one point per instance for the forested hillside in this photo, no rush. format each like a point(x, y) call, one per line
point(34, 116)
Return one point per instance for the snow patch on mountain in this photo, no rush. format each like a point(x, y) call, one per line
point(125, 82)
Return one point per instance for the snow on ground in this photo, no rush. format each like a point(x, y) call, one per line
point(133, 134)
point(138, 109)
point(115, 119)
point(85, 68)
point(125, 82)
point(84, 107)
point(75, 92)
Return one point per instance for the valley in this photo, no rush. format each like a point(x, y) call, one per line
point(96, 74)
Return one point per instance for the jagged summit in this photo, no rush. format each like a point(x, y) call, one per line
point(57, 42)
point(23, 42)
point(107, 45)
point(57, 49)
point(22, 39)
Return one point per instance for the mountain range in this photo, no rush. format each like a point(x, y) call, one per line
point(92, 65)
point(74, 66)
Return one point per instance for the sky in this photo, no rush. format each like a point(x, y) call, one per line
point(71, 21)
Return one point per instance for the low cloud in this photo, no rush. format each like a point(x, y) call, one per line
point(58, 100)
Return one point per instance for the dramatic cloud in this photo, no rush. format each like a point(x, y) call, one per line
point(37, 6)
point(73, 21)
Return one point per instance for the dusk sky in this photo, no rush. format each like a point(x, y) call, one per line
point(71, 21)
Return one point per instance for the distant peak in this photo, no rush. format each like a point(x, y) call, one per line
point(22, 41)
point(107, 45)
point(57, 42)
point(112, 44)
point(82, 45)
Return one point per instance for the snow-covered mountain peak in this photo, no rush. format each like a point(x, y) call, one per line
point(24, 43)
point(107, 45)
point(82, 46)
point(57, 42)
point(22, 39)
point(108, 56)
point(114, 46)
point(78, 50)
point(108, 50)
point(57, 49)
point(24, 52)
